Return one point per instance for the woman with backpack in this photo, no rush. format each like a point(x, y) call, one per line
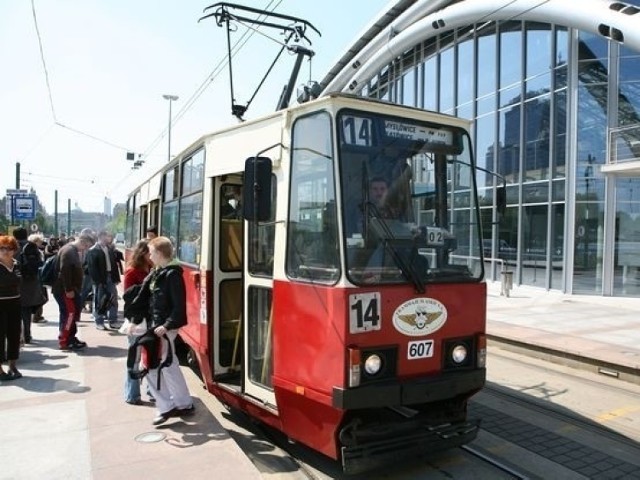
point(31, 297)
point(168, 312)
point(137, 270)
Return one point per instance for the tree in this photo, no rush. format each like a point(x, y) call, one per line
point(117, 223)
point(43, 224)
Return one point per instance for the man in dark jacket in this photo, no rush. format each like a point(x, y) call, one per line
point(66, 290)
point(102, 265)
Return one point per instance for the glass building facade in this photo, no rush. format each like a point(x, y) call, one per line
point(543, 100)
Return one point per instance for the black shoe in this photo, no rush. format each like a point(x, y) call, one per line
point(134, 402)
point(186, 412)
point(163, 417)
point(77, 345)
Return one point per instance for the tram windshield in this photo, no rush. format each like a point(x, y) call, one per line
point(408, 201)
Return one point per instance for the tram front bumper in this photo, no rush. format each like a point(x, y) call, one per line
point(412, 392)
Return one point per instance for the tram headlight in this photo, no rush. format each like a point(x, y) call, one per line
point(372, 364)
point(459, 354)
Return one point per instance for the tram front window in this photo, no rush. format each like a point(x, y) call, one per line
point(409, 201)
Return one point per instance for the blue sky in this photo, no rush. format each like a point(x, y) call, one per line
point(110, 61)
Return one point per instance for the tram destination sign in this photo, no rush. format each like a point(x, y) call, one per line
point(411, 131)
point(364, 131)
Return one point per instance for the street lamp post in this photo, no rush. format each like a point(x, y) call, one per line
point(171, 98)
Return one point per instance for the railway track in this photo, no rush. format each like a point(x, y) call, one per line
point(495, 462)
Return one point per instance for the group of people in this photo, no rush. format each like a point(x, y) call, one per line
point(88, 263)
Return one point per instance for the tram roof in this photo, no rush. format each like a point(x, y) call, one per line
point(270, 125)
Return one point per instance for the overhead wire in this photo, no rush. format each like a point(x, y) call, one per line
point(56, 122)
point(93, 137)
point(38, 141)
point(44, 63)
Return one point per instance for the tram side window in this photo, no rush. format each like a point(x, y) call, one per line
point(262, 240)
point(171, 185)
point(190, 222)
point(259, 330)
point(169, 223)
point(312, 235)
point(231, 228)
point(190, 228)
point(192, 173)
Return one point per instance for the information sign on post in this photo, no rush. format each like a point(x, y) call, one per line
point(24, 207)
point(11, 193)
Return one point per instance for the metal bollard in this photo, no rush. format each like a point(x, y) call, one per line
point(507, 283)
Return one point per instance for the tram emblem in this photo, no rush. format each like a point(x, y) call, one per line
point(420, 316)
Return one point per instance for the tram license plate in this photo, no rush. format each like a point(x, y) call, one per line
point(420, 349)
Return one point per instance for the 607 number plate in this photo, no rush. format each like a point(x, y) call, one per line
point(420, 349)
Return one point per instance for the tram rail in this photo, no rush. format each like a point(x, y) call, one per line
point(495, 462)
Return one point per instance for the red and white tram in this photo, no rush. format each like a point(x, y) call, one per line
point(333, 261)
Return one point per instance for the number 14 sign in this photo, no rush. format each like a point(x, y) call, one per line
point(364, 312)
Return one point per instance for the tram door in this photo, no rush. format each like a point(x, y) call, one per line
point(243, 280)
point(258, 306)
point(227, 281)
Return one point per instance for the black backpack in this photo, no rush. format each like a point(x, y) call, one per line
point(29, 260)
point(136, 300)
point(49, 272)
point(146, 353)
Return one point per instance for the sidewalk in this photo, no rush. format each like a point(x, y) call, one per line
point(587, 331)
point(67, 419)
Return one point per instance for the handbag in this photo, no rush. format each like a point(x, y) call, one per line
point(133, 329)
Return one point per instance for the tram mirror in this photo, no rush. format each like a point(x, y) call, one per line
point(256, 194)
point(501, 199)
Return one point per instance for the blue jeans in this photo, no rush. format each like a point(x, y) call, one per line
point(131, 386)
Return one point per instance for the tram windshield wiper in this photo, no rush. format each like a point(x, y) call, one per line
point(384, 229)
